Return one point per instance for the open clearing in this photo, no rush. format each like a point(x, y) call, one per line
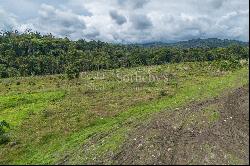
point(134, 116)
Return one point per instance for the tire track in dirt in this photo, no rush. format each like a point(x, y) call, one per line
point(172, 138)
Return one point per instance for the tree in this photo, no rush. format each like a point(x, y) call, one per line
point(30, 53)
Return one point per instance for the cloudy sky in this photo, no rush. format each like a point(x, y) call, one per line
point(129, 20)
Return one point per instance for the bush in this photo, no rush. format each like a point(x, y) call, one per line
point(228, 65)
point(72, 72)
point(234, 64)
point(3, 136)
point(4, 139)
point(3, 71)
point(163, 93)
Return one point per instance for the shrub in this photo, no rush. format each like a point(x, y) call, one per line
point(163, 93)
point(234, 64)
point(32, 83)
point(3, 136)
point(3, 71)
point(229, 65)
point(72, 72)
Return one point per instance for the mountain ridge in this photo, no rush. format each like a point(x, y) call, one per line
point(194, 43)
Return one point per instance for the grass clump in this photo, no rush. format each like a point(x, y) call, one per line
point(212, 114)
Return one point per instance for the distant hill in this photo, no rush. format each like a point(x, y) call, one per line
point(195, 43)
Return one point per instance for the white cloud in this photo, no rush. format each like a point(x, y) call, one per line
point(7, 21)
point(130, 20)
point(59, 22)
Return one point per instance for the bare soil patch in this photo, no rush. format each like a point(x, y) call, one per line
point(215, 131)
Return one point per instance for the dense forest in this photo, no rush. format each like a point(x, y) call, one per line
point(34, 54)
point(194, 43)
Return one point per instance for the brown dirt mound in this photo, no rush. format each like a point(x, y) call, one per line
point(210, 132)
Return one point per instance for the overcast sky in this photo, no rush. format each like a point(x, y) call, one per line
point(129, 20)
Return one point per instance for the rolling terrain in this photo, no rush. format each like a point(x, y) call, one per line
point(124, 82)
point(197, 43)
point(140, 115)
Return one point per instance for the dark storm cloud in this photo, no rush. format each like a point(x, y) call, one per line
point(50, 15)
point(91, 33)
point(141, 22)
point(119, 19)
point(139, 3)
point(217, 3)
point(135, 4)
point(60, 22)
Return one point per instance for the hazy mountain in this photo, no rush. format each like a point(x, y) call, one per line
point(194, 43)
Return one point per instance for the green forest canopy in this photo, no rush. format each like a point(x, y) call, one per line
point(34, 54)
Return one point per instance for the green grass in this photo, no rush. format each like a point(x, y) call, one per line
point(15, 108)
point(202, 118)
point(212, 114)
point(210, 88)
point(98, 112)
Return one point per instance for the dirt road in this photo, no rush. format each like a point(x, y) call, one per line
point(210, 132)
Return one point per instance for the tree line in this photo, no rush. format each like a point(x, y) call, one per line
point(31, 53)
point(194, 43)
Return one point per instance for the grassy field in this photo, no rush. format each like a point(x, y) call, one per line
point(55, 120)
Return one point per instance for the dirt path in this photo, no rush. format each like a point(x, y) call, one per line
point(211, 132)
